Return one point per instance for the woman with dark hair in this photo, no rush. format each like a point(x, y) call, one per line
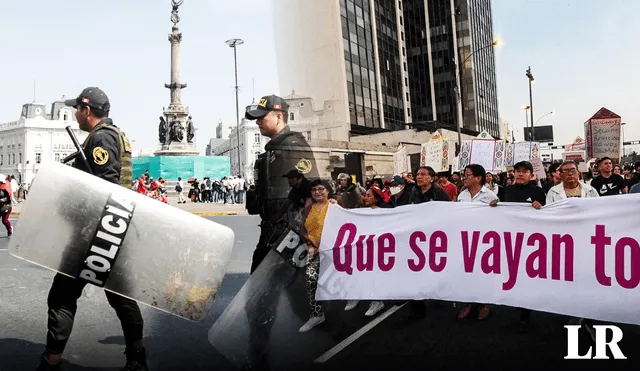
point(321, 194)
point(373, 198)
point(348, 194)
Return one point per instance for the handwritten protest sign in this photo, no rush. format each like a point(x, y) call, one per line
point(605, 138)
point(548, 260)
point(436, 153)
point(401, 161)
point(484, 151)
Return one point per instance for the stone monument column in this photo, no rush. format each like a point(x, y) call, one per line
point(179, 127)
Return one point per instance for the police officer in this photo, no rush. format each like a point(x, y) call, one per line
point(108, 154)
point(285, 151)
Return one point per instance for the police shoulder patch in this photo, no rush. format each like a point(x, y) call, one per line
point(100, 156)
point(304, 166)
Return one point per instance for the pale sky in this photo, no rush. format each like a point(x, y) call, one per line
point(582, 54)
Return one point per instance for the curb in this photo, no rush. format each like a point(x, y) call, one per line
point(197, 213)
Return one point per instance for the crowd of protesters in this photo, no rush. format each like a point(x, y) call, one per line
point(474, 184)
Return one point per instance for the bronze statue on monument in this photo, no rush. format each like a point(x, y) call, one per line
point(162, 131)
point(175, 18)
point(191, 132)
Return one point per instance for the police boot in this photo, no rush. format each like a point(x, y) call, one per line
point(46, 366)
point(136, 360)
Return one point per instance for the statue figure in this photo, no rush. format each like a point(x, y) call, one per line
point(175, 18)
point(190, 130)
point(176, 134)
point(162, 131)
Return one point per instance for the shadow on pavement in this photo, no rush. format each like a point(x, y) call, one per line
point(22, 355)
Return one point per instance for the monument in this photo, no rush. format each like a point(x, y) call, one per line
point(176, 131)
point(177, 155)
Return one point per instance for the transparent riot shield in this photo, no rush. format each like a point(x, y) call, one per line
point(111, 237)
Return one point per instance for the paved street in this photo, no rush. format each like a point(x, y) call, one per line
point(438, 342)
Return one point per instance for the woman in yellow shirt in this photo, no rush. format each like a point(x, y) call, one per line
point(321, 193)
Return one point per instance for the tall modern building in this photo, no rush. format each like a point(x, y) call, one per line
point(389, 63)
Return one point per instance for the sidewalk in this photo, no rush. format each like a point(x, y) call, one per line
point(199, 209)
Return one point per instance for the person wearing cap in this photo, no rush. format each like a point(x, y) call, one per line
point(300, 192)
point(399, 194)
point(348, 194)
point(286, 150)
point(5, 205)
point(524, 190)
point(108, 154)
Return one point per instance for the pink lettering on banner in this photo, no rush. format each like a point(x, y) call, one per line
point(386, 245)
point(601, 241)
point(634, 278)
point(469, 251)
point(514, 251)
point(365, 256)
point(437, 244)
point(414, 239)
point(364, 260)
point(490, 262)
point(536, 264)
point(556, 260)
point(344, 266)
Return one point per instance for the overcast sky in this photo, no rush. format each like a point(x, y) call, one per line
point(582, 53)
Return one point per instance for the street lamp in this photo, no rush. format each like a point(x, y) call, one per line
point(531, 79)
point(459, 86)
point(624, 150)
point(233, 43)
point(546, 114)
point(526, 120)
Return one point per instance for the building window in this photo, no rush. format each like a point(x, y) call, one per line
point(57, 157)
point(291, 116)
point(65, 117)
point(256, 138)
point(1, 160)
point(307, 135)
point(20, 158)
point(38, 157)
point(14, 158)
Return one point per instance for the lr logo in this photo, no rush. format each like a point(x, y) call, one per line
point(601, 343)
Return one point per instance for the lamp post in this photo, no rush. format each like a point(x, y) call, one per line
point(233, 43)
point(531, 79)
point(624, 150)
point(526, 120)
point(460, 93)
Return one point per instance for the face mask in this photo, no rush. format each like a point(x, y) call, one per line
point(395, 190)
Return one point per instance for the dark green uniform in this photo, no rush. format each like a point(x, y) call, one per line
point(109, 156)
point(288, 151)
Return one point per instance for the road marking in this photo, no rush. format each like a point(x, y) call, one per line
point(4, 249)
point(356, 335)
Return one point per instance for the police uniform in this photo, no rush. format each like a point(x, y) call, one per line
point(288, 150)
point(108, 155)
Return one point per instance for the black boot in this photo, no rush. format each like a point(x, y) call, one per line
point(46, 366)
point(136, 360)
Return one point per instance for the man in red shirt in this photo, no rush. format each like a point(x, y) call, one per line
point(450, 188)
point(142, 187)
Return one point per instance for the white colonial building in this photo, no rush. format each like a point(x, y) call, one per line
point(37, 136)
point(251, 145)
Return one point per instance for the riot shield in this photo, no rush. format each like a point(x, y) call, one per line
point(111, 237)
point(259, 328)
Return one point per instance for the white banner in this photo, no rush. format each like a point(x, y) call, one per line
point(578, 257)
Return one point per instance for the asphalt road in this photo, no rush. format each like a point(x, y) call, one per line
point(437, 342)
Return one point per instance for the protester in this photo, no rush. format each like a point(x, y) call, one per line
point(373, 198)
point(5, 206)
point(475, 191)
point(524, 190)
point(608, 183)
point(400, 195)
point(311, 232)
point(570, 186)
point(447, 186)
